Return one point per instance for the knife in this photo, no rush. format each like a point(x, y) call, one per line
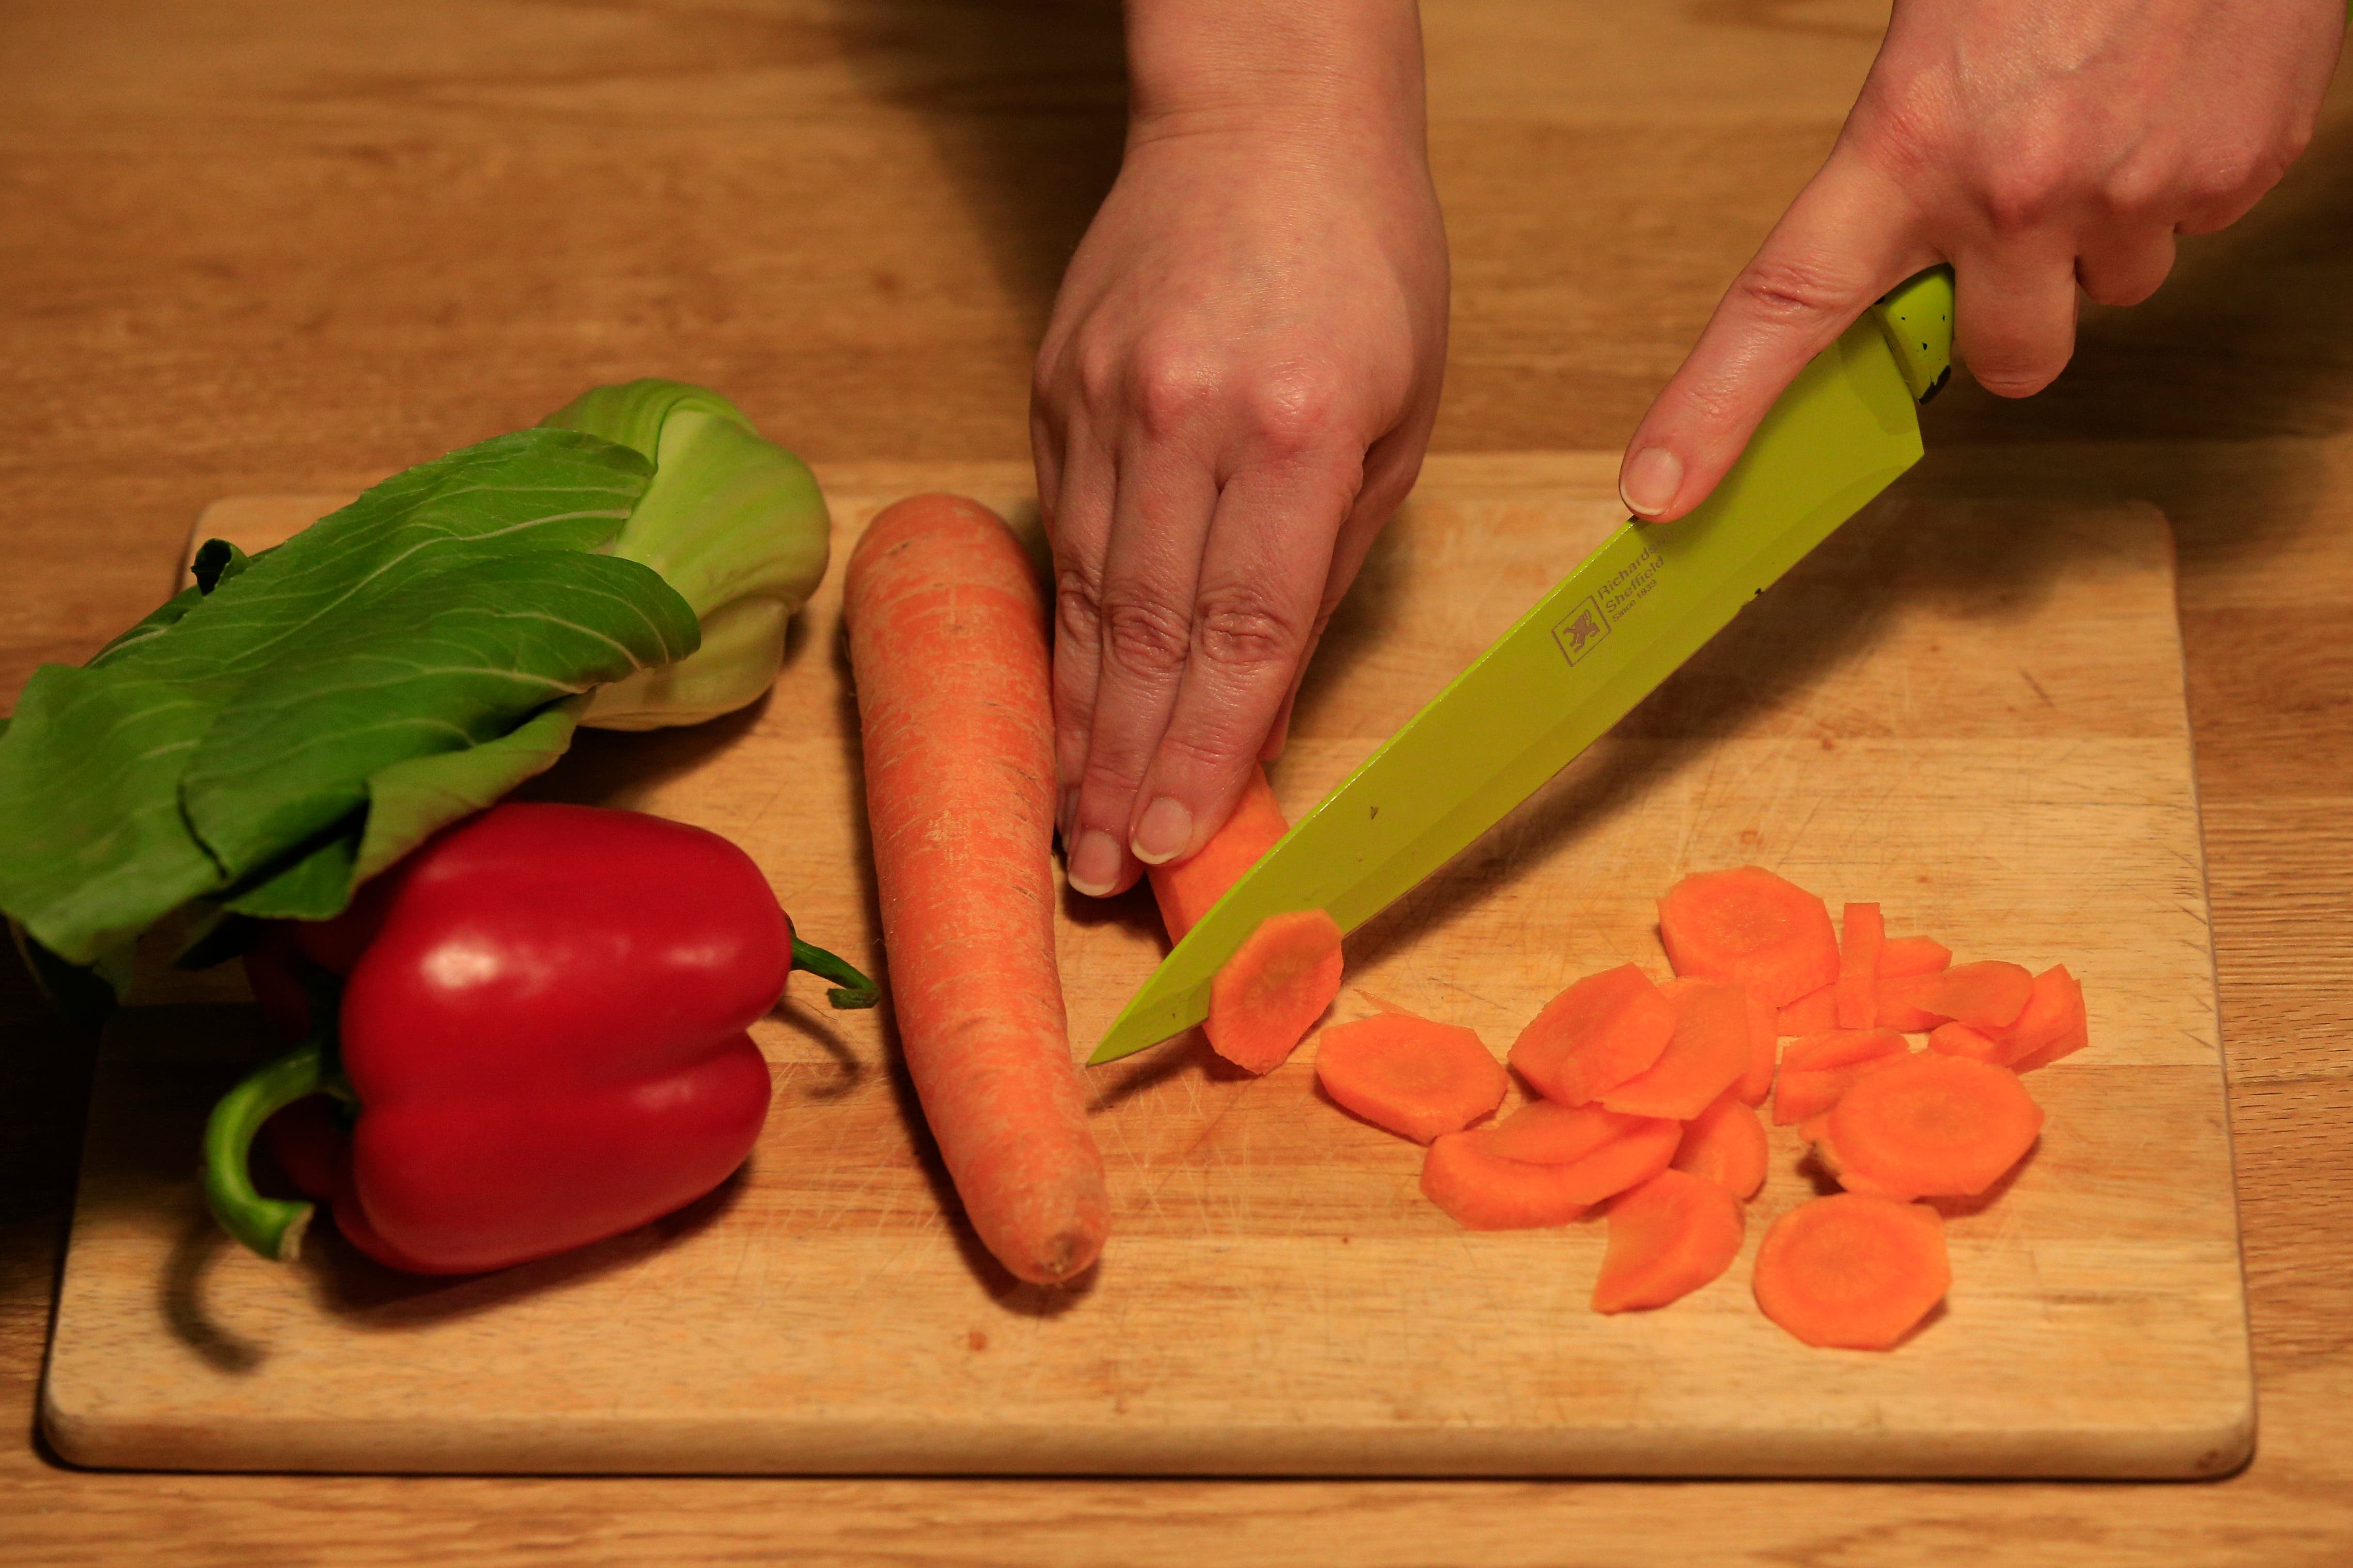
point(1585, 655)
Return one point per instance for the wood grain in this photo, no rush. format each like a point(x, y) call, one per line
point(1970, 710)
point(219, 284)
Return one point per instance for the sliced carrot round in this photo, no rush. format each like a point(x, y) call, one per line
point(1412, 1076)
point(1669, 1237)
point(1543, 1133)
point(2051, 1026)
point(1904, 955)
point(1863, 935)
point(1594, 1035)
point(1810, 1013)
point(1706, 1054)
point(1851, 1271)
point(1933, 1126)
point(1483, 1191)
point(1763, 1050)
point(1267, 997)
point(1726, 1144)
point(1751, 926)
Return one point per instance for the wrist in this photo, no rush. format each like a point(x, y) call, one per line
point(1244, 68)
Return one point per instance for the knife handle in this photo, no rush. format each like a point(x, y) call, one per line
point(1916, 316)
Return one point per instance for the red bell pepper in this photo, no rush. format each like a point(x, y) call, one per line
point(539, 1043)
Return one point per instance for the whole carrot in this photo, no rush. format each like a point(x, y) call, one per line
point(947, 644)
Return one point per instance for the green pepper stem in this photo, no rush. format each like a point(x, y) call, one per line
point(852, 989)
point(271, 1227)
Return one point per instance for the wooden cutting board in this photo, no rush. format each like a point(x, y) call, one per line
point(1972, 712)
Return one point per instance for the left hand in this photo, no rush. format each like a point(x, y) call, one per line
point(2038, 145)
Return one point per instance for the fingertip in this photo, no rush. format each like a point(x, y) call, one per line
point(1164, 833)
point(1094, 864)
point(1649, 482)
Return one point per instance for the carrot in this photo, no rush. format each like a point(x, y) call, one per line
point(1187, 889)
point(1818, 1069)
point(1960, 1040)
point(1810, 1014)
point(1912, 955)
point(1725, 1144)
point(2051, 1026)
point(1764, 1047)
point(1543, 1134)
point(1412, 1076)
point(1863, 934)
point(1989, 994)
point(1851, 1271)
point(1931, 1126)
point(1594, 1035)
point(1706, 1053)
point(1267, 997)
point(1484, 1190)
point(947, 644)
point(1669, 1237)
point(1751, 926)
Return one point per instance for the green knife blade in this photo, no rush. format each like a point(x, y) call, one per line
point(1589, 651)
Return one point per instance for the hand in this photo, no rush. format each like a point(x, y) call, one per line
point(2038, 145)
point(1232, 396)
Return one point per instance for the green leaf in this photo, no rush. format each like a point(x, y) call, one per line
point(230, 740)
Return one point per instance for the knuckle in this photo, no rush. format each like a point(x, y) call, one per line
point(1078, 611)
point(1794, 290)
point(1238, 631)
point(1166, 389)
point(1289, 416)
point(1144, 635)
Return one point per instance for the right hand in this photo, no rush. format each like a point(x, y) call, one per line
point(1232, 396)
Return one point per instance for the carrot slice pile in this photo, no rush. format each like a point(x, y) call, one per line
point(1669, 1237)
point(1863, 934)
point(1726, 1144)
point(1412, 1076)
point(1930, 1126)
point(1595, 1036)
point(1751, 926)
point(1650, 1096)
point(1267, 997)
point(1706, 1054)
point(1188, 889)
point(1851, 1271)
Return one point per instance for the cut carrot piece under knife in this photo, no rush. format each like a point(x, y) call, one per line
point(1912, 955)
point(1412, 1076)
point(1810, 1013)
point(1669, 1237)
point(1931, 1126)
point(1751, 926)
point(1863, 935)
point(1985, 995)
point(1265, 998)
point(1706, 1054)
point(1594, 1035)
point(1726, 1144)
point(1187, 889)
point(1853, 1272)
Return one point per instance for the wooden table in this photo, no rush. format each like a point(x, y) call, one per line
point(260, 246)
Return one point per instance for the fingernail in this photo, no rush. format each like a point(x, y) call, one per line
point(1650, 482)
point(1165, 833)
point(1094, 865)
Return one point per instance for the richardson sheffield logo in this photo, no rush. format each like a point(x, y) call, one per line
point(1583, 627)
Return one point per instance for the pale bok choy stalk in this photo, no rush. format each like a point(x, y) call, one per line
point(734, 523)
